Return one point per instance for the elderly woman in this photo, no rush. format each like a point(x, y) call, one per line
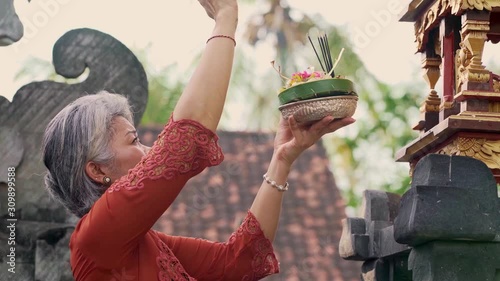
point(100, 171)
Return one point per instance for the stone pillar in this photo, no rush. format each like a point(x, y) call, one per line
point(370, 239)
point(445, 228)
point(451, 219)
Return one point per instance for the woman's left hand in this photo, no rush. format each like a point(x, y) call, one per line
point(292, 139)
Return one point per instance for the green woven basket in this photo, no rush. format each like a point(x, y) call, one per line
point(317, 89)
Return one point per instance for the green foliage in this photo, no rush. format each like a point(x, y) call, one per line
point(165, 86)
point(162, 97)
point(252, 97)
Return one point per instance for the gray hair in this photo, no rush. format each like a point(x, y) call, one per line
point(80, 133)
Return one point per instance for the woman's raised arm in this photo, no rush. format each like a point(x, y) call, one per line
point(204, 96)
point(291, 140)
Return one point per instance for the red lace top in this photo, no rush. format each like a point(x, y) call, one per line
point(114, 241)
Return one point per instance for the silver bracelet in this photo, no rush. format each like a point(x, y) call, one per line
point(273, 183)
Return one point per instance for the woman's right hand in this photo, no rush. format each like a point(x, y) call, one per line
point(218, 8)
point(292, 139)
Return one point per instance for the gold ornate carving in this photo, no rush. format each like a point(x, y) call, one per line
point(439, 9)
point(435, 12)
point(496, 85)
point(482, 149)
point(468, 60)
point(432, 71)
point(462, 60)
point(446, 105)
point(432, 103)
point(460, 5)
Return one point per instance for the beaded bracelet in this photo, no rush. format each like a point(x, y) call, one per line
point(273, 184)
point(222, 36)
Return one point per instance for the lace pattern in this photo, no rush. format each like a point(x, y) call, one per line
point(182, 147)
point(170, 269)
point(264, 261)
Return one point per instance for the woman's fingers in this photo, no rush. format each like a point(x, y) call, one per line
point(319, 126)
point(311, 133)
point(215, 7)
point(337, 124)
point(209, 8)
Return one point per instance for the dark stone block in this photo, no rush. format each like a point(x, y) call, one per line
point(451, 198)
point(455, 261)
point(23, 272)
point(391, 268)
point(52, 255)
point(11, 28)
point(354, 243)
point(372, 236)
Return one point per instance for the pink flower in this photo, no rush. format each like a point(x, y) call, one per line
point(316, 74)
point(305, 75)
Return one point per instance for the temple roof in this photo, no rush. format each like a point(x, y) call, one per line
point(415, 8)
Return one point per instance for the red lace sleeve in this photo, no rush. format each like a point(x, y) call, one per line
point(247, 255)
point(132, 204)
point(183, 147)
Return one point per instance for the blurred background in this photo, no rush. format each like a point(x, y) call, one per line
point(168, 38)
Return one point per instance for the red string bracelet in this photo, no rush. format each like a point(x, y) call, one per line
point(222, 36)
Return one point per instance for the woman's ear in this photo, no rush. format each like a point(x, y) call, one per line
point(94, 171)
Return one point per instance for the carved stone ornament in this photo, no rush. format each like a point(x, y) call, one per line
point(44, 227)
point(488, 151)
point(111, 66)
point(11, 28)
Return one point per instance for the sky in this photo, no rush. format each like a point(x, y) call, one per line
point(176, 31)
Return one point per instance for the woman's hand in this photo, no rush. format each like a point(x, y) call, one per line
point(292, 139)
point(218, 8)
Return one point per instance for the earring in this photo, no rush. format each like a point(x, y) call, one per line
point(106, 180)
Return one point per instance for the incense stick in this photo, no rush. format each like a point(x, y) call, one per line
point(336, 61)
point(317, 55)
point(324, 53)
point(329, 57)
point(325, 60)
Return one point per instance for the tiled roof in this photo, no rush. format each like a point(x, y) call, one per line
point(213, 204)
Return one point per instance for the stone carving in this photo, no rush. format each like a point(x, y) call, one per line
point(451, 198)
point(447, 227)
point(451, 218)
point(371, 238)
point(11, 28)
point(112, 67)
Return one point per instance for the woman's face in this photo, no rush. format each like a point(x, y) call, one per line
point(127, 148)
